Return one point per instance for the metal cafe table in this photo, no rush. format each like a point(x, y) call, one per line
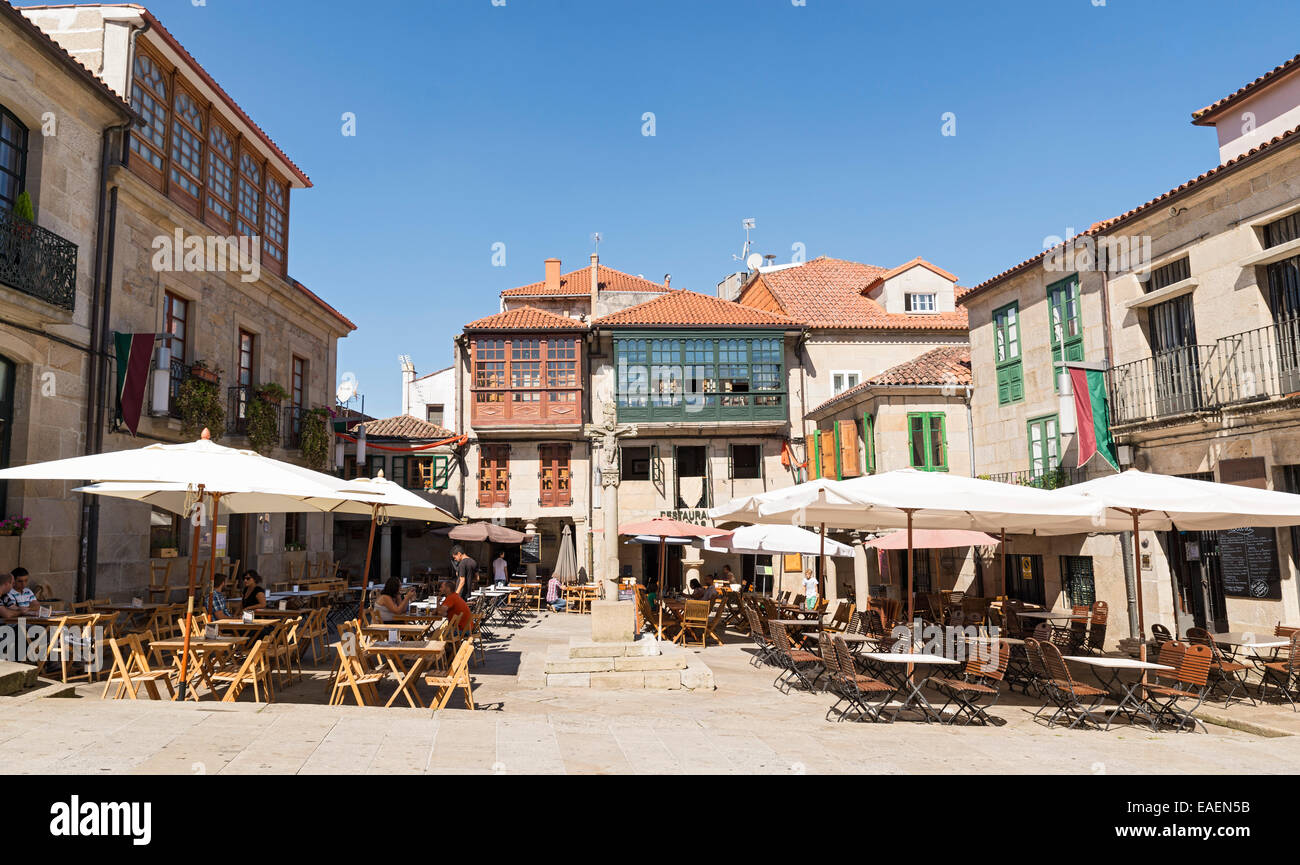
point(903, 682)
point(1108, 670)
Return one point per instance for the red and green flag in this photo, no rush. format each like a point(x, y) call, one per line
point(134, 351)
point(1091, 416)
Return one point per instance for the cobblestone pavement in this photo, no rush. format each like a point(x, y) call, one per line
point(745, 726)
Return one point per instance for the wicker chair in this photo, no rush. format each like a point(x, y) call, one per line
point(1096, 641)
point(1284, 673)
point(796, 664)
point(766, 653)
point(1188, 681)
point(977, 689)
point(864, 694)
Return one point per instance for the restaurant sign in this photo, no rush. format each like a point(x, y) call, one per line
point(698, 516)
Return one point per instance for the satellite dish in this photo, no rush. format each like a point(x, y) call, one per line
point(754, 261)
point(347, 390)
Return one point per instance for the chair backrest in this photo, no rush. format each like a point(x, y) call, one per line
point(1034, 652)
point(1055, 664)
point(1160, 634)
point(844, 660)
point(780, 640)
point(1202, 637)
point(1171, 655)
point(460, 663)
point(1293, 661)
point(1194, 669)
point(987, 661)
point(755, 623)
point(1281, 630)
point(696, 612)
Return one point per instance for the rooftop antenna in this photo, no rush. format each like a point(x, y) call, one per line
point(748, 225)
point(596, 238)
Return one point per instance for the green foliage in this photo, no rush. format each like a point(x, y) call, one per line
point(263, 416)
point(200, 406)
point(316, 438)
point(23, 207)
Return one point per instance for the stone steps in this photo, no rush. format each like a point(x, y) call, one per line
point(641, 663)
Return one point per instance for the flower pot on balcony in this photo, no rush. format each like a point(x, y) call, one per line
point(203, 373)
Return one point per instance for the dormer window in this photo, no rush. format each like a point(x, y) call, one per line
point(920, 302)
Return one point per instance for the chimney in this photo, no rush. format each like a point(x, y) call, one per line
point(668, 279)
point(552, 274)
point(595, 282)
point(408, 379)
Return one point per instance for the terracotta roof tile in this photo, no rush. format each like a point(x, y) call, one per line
point(1100, 227)
point(323, 304)
point(404, 426)
point(577, 283)
point(681, 308)
point(1202, 117)
point(827, 292)
point(526, 318)
point(908, 265)
point(947, 364)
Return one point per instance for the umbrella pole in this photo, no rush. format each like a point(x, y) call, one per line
point(660, 598)
point(183, 685)
point(212, 558)
point(821, 565)
point(370, 545)
point(1002, 551)
point(911, 593)
point(1137, 581)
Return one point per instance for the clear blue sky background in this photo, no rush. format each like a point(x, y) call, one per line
point(522, 124)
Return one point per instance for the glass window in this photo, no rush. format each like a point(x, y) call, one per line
point(221, 172)
point(1044, 445)
point(149, 99)
point(927, 441)
point(920, 302)
point(187, 144)
point(746, 461)
point(273, 238)
point(689, 376)
point(636, 464)
point(248, 218)
point(13, 159)
point(1006, 352)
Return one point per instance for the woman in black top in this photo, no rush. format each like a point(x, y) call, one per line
point(254, 594)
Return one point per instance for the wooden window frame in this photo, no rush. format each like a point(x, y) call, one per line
point(226, 167)
point(928, 419)
point(555, 468)
point(731, 461)
point(298, 381)
point(493, 468)
point(139, 146)
point(177, 173)
point(539, 400)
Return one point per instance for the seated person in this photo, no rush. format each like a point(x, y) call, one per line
point(23, 597)
point(697, 591)
point(710, 590)
point(454, 607)
point(254, 593)
point(553, 595)
point(391, 602)
point(8, 607)
point(220, 608)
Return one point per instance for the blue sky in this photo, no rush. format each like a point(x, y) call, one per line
point(522, 124)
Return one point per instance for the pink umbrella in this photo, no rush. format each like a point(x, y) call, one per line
point(663, 528)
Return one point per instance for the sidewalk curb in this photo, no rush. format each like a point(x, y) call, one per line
point(1244, 726)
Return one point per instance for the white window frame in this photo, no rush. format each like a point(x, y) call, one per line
point(909, 302)
point(845, 373)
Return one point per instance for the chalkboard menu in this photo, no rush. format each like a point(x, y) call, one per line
point(1248, 563)
point(530, 552)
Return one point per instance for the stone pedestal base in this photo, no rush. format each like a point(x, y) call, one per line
point(613, 621)
point(640, 663)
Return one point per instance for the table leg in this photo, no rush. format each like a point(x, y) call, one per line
point(406, 678)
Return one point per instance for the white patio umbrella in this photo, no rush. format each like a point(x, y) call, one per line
point(566, 563)
point(1134, 500)
point(183, 474)
point(775, 539)
point(931, 500)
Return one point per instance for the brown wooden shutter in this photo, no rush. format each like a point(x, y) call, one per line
point(828, 454)
point(849, 467)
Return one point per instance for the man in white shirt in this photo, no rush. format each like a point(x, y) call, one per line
point(809, 590)
point(22, 597)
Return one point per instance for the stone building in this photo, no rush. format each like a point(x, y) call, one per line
point(198, 206)
point(57, 124)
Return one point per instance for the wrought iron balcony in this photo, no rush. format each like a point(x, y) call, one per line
point(237, 409)
point(178, 373)
point(1049, 479)
point(37, 262)
point(1251, 366)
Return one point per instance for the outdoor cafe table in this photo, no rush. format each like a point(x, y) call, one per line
point(1108, 673)
point(1047, 614)
point(405, 630)
point(204, 652)
point(279, 614)
point(394, 655)
point(241, 625)
point(902, 681)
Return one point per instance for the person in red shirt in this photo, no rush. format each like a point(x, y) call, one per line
point(455, 608)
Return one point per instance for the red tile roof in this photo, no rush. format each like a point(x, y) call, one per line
point(945, 365)
point(916, 262)
point(526, 318)
point(577, 283)
point(155, 26)
point(681, 308)
point(404, 426)
point(1204, 116)
point(827, 292)
point(1291, 136)
point(75, 66)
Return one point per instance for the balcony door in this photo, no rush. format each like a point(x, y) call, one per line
point(1284, 300)
point(1176, 359)
point(7, 370)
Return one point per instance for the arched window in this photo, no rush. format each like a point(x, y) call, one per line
point(13, 158)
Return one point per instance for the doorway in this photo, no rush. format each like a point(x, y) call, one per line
point(672, 565)
point(1198, 584)
point(7, 371)
point(1024, 579)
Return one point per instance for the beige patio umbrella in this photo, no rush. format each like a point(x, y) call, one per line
point(566, 563)
point(664, 528)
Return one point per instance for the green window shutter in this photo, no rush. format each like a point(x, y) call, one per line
point(939, 430)
point(441, 471)
point(839, 463)
point(915, 422)
point(869, 442)
point(817, 453)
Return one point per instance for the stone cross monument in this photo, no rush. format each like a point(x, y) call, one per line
point(606, 434)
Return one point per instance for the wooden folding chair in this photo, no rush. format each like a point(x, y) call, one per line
point(132, 670)
point(456, 677)
point(254, 671)
point(353, 677)
point(1188, 681)
point(72, 641)
point(695, 621)
point(160, 573)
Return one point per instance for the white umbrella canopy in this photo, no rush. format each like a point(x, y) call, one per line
point(775, 539)
point(936, 500)
point(1163, 502)
point(746, 508)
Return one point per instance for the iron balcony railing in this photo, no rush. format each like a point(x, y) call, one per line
point(237, 409)
point(1044, 479)
point(1253, 365)
point(292, 427)
point(177, 374)
point(37, 262)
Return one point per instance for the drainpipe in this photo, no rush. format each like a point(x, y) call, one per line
point(970, 431)
point(1127, 540)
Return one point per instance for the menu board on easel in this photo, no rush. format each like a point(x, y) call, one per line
point(1248, 564)
point(530, 551)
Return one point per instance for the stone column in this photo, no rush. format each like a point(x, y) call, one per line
point(531, 531)
point(609, 543)
point(832, 583)
point(692, 562)
point(385, 542)
point(861, 586)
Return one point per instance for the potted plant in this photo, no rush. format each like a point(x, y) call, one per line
point(315, 442)
point(263, 416)
point(200, 405)
point(14, 526)
point(200, 370)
